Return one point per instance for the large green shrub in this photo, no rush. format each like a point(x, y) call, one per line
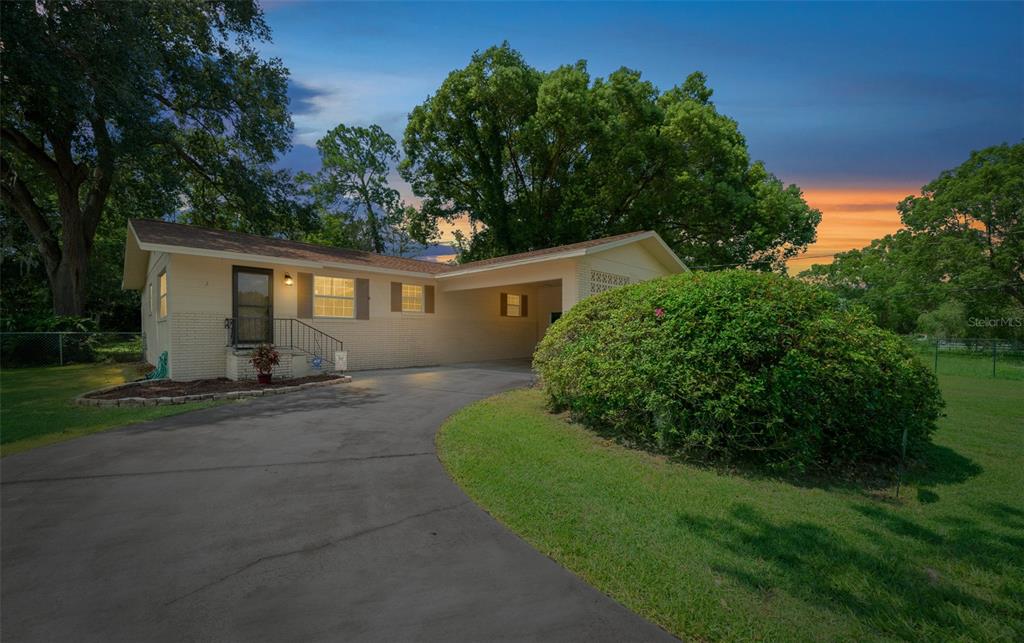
point(739, 366)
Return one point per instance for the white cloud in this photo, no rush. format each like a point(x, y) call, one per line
point(357, 98)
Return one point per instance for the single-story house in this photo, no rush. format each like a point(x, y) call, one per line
point(209, 296)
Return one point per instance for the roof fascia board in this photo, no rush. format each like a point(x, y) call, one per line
point(511, 264)
point(131, 237)
point(567, 255)
point(643, 237)
point(671, 253)
point(237, 256)
point(617, 243)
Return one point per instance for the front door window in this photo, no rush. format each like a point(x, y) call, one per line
point(253, 309)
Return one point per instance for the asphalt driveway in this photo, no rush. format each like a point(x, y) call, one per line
point(320, 515)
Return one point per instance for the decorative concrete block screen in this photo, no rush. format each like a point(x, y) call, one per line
point(601, 281)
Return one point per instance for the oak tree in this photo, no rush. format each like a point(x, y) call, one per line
point(535, 159)
point(168, 106)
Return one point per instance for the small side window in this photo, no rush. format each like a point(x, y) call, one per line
point(162, 280)
point(514, 306)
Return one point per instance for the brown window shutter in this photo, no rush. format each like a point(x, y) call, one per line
point(428, 299)
point(396, 296)
point(523, 310)
point(362, 298)
point(504, 304)
point(304, 294)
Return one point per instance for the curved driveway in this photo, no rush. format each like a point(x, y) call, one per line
point(320, 515)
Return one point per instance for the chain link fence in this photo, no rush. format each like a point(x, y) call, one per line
point(61, 348)
point(972, 357)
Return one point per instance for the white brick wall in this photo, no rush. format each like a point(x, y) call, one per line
point(197, 346)
point(467, 325)
point(156, 330)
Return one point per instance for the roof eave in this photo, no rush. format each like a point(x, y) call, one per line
point(238, 256)
point(136, 262)
point(671, 256)
point(511, 264)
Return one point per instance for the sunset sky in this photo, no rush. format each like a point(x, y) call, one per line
point(859, 104)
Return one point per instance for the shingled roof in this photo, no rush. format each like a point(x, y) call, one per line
point(162, 233)
point(568, 248)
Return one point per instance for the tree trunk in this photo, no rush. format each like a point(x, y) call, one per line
point(67, 282)
point(66, 261)
point(374, 223)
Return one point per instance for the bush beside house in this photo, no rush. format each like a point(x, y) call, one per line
point(739, 366)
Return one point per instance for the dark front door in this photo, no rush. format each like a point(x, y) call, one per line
point(253, 305)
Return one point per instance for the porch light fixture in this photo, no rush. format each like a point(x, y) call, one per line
point(288, 279)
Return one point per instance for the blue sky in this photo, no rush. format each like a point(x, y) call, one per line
point(829, 95)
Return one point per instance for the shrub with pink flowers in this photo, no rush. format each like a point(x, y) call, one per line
point(739, 366)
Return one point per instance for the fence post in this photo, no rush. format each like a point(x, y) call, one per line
point(936, 356)
point(60, 347)
point(994, 357)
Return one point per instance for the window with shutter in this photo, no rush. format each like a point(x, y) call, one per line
point(512, 306)
point(334, 297)
point(412, 298)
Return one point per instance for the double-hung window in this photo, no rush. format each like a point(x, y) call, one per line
point(334, 297)
point(412, 298)
point(514, 306)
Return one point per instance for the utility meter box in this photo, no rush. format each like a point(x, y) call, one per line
point(341, 360)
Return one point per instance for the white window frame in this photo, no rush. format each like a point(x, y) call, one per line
point(332, 296)
point(509, 305)
point(161, 285)
point(416, 294)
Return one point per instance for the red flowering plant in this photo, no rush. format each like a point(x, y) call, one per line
point(264, 358)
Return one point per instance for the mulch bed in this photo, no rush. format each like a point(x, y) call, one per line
point(167, 388)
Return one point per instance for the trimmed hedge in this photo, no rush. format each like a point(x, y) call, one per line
point(739, 366)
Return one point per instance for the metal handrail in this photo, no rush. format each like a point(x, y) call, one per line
point(286, 332)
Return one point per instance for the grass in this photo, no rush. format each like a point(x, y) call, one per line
point(36, 407)
point(1008, 365)
point(715, 556)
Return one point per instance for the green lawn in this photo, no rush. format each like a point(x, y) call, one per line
point(36, 408)
point(1008, 364)
point(715, 556)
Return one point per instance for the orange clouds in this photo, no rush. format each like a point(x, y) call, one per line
point(851, 217)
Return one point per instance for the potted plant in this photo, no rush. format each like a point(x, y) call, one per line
point(264, 358)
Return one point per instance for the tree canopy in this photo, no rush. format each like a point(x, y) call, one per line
point(357, 204)
point(536, 159)
point(959, 256)
point(162, 107)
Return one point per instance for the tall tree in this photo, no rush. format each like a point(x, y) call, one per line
point(536, 158)
point(893, 277)
point(353, 181)
point(167, 101)
point(959, 256)
point(978, 206)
